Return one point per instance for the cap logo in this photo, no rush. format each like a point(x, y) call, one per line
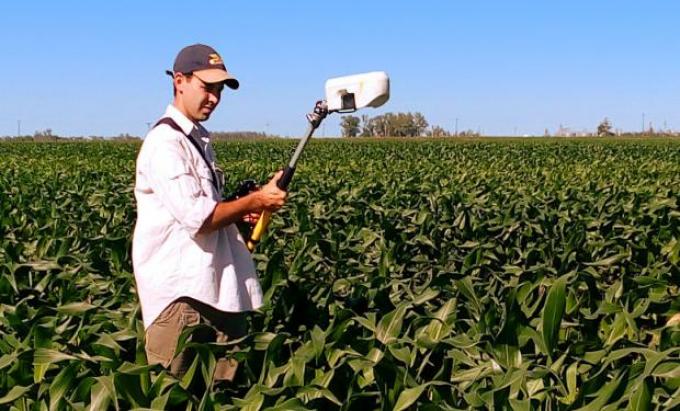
point(214, 59)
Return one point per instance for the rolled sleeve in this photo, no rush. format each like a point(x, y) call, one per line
point(179, 188)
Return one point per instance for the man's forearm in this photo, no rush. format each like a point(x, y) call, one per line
point(225, 213)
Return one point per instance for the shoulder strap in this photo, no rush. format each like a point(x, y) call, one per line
point(170, 122)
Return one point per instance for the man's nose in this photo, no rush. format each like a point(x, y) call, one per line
point(214, 97)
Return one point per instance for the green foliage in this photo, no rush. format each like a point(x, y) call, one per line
point(508, 274)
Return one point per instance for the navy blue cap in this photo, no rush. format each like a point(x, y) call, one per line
point(205, 63)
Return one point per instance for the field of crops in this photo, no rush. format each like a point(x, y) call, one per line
point(514, 274)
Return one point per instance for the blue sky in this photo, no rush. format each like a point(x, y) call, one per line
point(505, 67)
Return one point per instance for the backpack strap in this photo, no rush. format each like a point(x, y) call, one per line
point(170, 122)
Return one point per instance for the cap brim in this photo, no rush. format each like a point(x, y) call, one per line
point(217, 76)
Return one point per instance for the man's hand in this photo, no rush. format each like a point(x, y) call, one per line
point(270, 197)
point(251, 218)
point(247, 208)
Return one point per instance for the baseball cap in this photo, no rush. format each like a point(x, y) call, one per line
point(205, 63)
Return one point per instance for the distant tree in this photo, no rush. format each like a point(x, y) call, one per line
point(390, 125)
point(438, 131)
point(468, 133)
point(350, 126)
point(365, 129)
point(400, 124)
point(604, 129)
point(381, 126)
point(45, 135)
point(419, 123)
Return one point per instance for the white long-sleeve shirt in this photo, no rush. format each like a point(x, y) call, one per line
point(175, 195)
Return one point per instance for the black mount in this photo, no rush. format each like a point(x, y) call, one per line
point(320, 112)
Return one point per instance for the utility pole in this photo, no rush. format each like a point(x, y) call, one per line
point(456, 127)
point(643, 123)
point(18, 128)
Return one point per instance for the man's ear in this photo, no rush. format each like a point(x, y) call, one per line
point(178, 79)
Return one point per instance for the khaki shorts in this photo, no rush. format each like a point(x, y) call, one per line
point(163, 334)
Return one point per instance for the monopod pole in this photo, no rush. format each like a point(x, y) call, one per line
point(315, 118)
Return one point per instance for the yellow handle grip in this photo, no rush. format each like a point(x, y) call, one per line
point(259, 230)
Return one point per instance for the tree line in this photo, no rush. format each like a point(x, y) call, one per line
point(48, 135)
point(394, 125)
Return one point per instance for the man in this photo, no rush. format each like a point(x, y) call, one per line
point(191, 263)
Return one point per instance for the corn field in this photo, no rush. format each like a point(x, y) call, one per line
point(434, 275)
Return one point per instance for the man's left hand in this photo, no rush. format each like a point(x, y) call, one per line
point(251, 218)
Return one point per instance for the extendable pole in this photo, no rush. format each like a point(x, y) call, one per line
point(315, 118)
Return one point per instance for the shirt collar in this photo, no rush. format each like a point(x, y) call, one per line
point(187, 126)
